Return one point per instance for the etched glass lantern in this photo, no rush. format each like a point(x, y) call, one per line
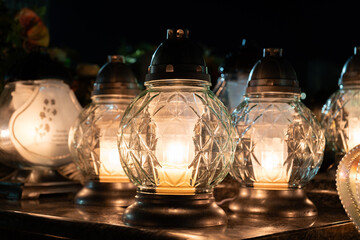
point(341, 112)
point(176, 140)
point(93, 137)
point(280, 143)
point(37, 109)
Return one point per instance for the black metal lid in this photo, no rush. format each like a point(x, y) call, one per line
point(273, 73)
point(350, 75)
point(241, 60)
point(37, 65)
point(177, 58)
point(115, 77)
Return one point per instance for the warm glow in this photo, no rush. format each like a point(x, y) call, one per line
point(354, 133)
point(4, 133)
point(40, 125)
point(175, 154)
point(174, 175)
point(110, 167)
point(271, 162)
point(271, 172)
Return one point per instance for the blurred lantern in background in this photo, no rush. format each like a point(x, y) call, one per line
point(232, 83)
point(176, 141)
point(37, 109)
point(93, 137)
point(280, 143)
point(341, 112)
point(83, 84)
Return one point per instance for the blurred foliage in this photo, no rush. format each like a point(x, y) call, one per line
point(34, 33)
point(19, 32)
point(138, 57)
point(10, 40)
point(133, 53)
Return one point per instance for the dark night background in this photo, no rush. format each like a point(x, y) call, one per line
point(317, 36)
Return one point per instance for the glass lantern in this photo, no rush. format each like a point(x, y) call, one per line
point(280, 143)
point(93, 137)
point(176, 141)
point(234, 74)
point(37, 109)
point(341, 113)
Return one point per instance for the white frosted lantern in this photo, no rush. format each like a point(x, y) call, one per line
point(37, 109)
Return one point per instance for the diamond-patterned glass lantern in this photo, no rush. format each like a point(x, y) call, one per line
point(93, 137)
point(280, 143)
point(176, 139)
point(176, 142)
point(341, 113)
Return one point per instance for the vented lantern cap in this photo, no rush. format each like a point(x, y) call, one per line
point(115, 78)
point(272, 73)
point(177, 58)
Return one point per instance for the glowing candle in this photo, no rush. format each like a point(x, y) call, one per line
point(110, 167)
point(174, 177)
point(270, 170)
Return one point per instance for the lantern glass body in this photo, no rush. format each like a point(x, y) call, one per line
point(341, 119)
point(231, 88)
point(280, 143)
point(35, 120)
point(93, 138)
point(176, 138)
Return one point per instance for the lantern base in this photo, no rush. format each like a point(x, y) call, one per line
point(31, 184)
point(174, 211)
point(273, 203)
point(106, 194)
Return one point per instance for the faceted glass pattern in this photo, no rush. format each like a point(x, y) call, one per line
point(93, 139)
point(280, 143)
point(341, 119)
point(176, 139)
